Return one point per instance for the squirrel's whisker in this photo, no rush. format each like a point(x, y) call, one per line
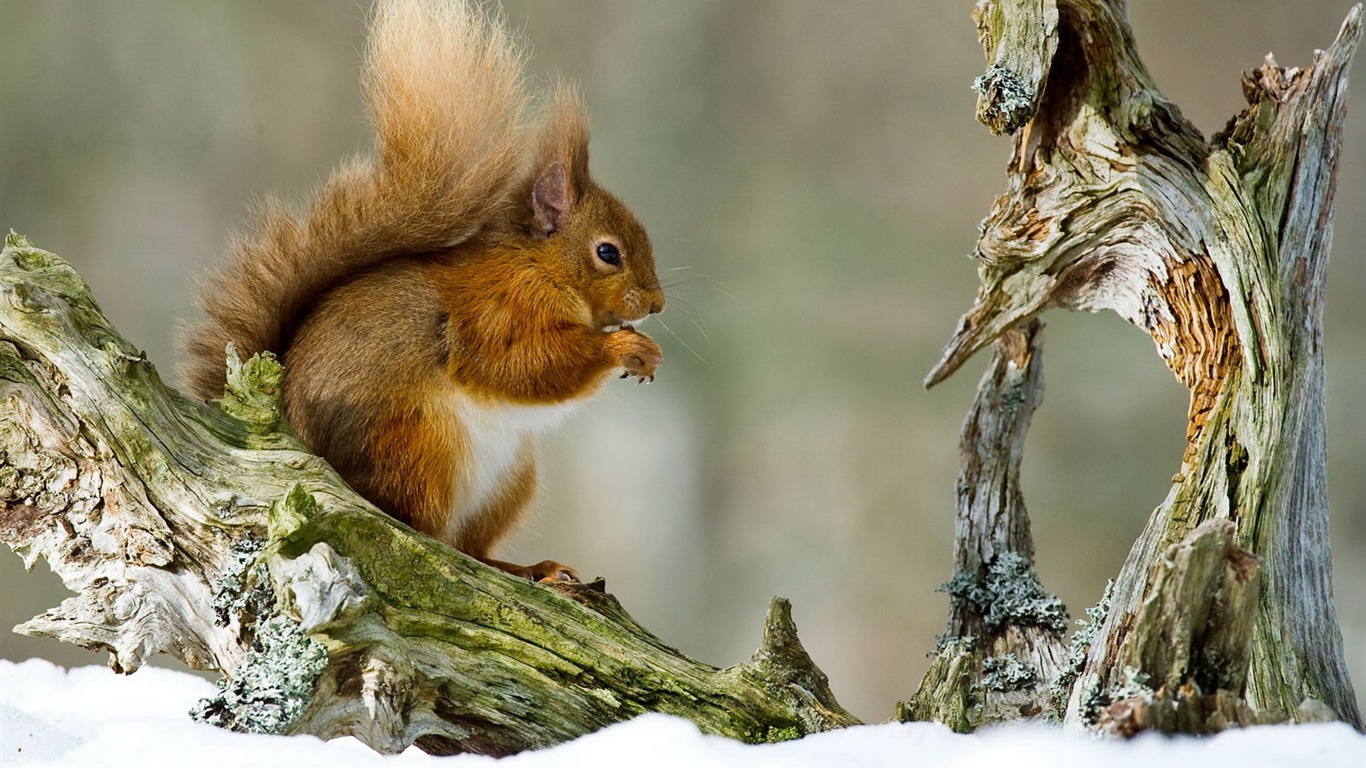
point(685, 344)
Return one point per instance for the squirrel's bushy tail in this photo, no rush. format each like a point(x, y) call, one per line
point(444, 84)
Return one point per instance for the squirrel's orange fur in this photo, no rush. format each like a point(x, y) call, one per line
point(443, 301)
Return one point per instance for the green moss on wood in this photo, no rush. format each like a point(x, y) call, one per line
point(776, 735)
point(946, 696)
point(16, 240)
point(290, 513)
point(254, 390)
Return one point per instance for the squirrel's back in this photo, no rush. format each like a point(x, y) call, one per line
point(446, 96)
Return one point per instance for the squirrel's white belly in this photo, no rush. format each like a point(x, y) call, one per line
point(496, 438)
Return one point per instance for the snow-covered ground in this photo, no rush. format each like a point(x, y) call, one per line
point(89, 716)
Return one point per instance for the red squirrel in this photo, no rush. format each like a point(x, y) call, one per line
point(443, 301)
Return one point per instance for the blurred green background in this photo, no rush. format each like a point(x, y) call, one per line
point(812, 176)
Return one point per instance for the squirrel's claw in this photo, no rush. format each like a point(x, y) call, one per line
point(636, 353)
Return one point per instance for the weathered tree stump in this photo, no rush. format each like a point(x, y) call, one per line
point(1002, 649)
point(210, 533)
point(1223, 611)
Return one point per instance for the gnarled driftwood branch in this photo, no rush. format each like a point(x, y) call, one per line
point(211, 533)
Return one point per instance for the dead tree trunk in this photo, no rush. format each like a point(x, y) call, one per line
point(211, 534)
point(1002, 649)
point(1223, 611)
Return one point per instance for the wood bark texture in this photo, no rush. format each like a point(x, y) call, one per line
point(210, 533)
point(1217, 248)
point(1002, 649)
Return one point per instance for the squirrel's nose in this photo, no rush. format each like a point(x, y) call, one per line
point(657, 306)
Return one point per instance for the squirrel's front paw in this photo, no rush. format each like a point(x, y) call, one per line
point(637, 354)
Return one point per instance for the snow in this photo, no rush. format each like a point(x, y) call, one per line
point(90, 716)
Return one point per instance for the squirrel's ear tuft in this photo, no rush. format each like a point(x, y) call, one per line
point(551, 199)
point(563, 160)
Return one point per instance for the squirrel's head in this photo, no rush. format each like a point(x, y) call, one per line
point(595, 244)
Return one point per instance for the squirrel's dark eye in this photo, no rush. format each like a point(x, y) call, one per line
point(609, 254)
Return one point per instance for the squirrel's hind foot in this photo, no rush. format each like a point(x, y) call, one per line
point(546, 571)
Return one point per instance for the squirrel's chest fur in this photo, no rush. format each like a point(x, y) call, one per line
point(497, 441)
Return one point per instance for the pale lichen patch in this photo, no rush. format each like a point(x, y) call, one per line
point(1089, 627)
point(273, 685)
point(242, 591)
point(1006, 673)
point(1010, 593)
point(1005, 102)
